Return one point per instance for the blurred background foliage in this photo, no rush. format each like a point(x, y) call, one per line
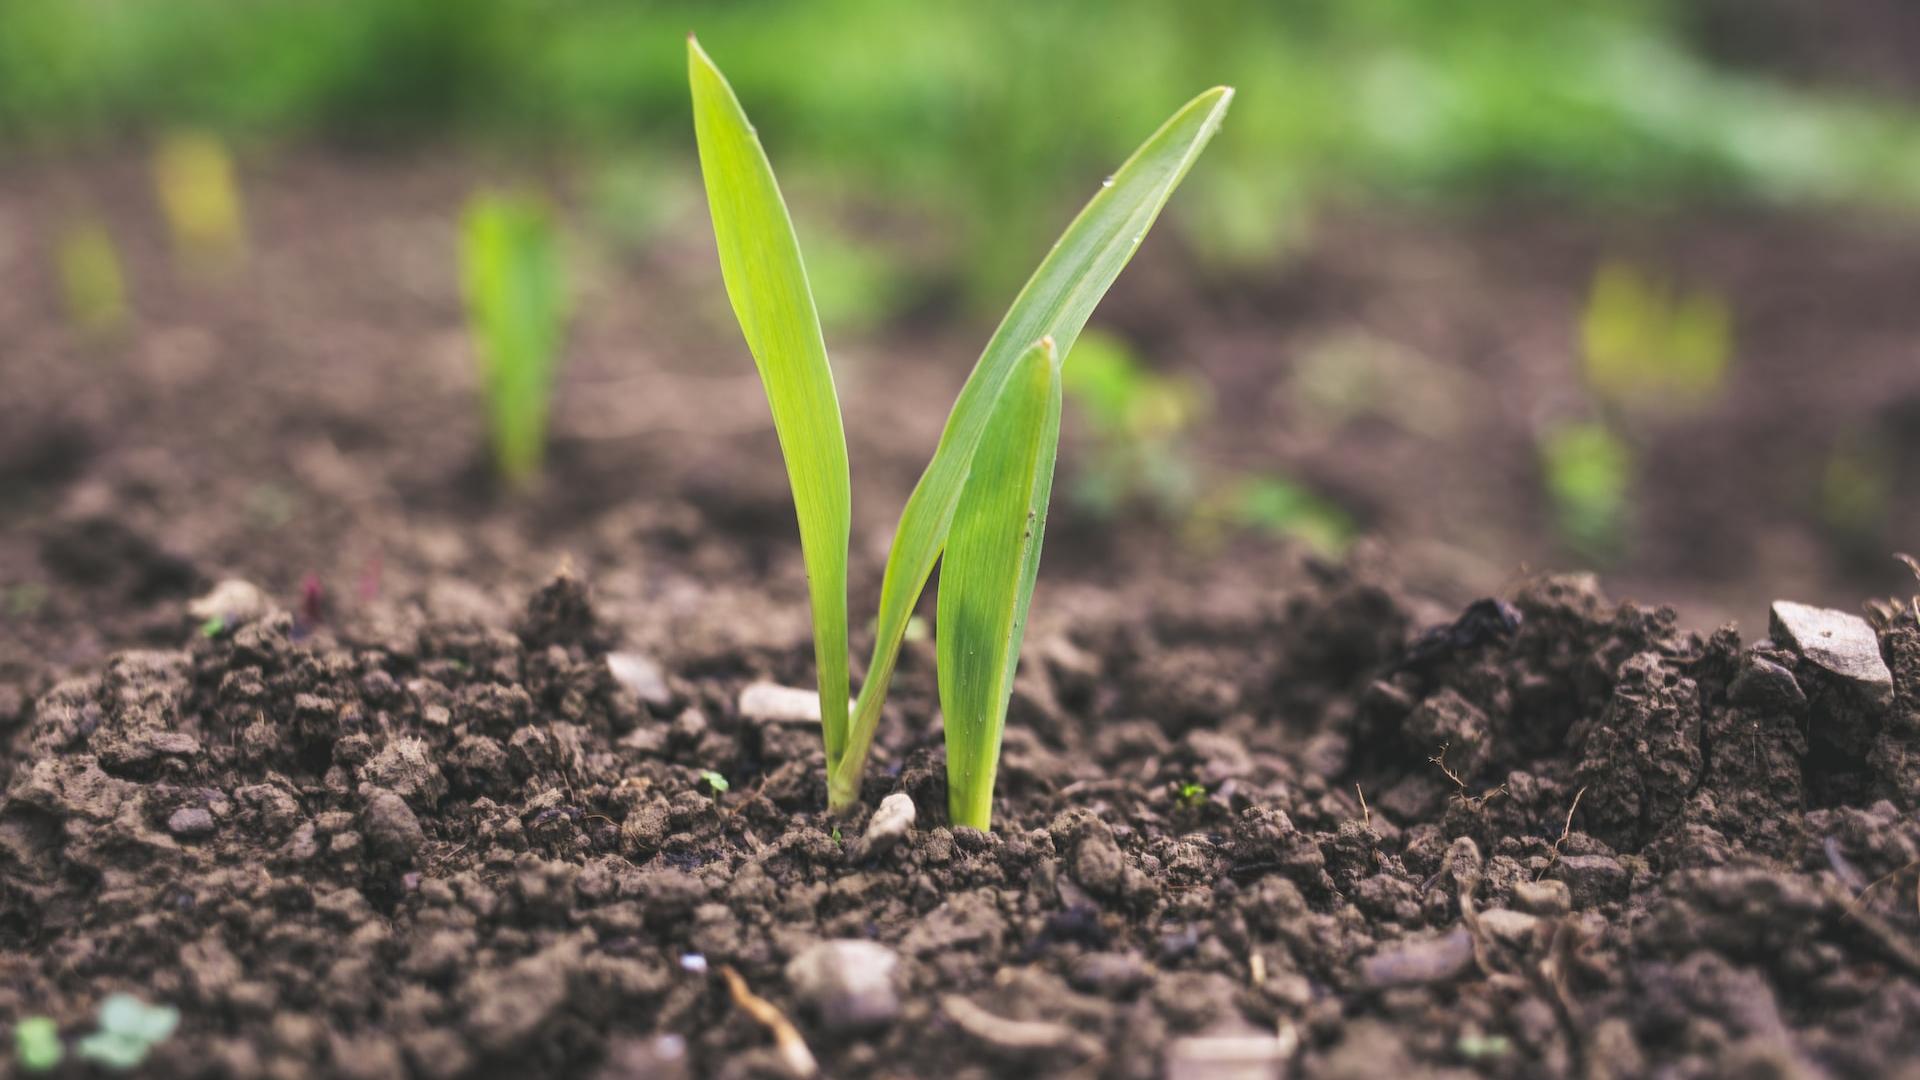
point(997, 107)
point(932, 151)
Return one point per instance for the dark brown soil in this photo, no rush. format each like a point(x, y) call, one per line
point(408, 822)
point(417, 846)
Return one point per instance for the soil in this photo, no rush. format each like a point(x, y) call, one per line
point(1570, 841)
point(394, 814)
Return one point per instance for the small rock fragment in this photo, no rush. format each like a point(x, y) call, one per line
point(849, 984)
point(1542, 897)
point(1592, 879)
point(889, 825)
point(773, 703)
point(191, 821)
point(392, 831)
point(1110, 974)
point(1510, 927)
point(1227, 1057)
point(1419, 962)
point(232, 602)
point(1844, 645)
point(642, 675)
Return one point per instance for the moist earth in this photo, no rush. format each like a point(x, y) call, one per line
point(1320, 837)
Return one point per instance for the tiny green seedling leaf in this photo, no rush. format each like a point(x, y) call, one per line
point(715, 781)
point(129, 1030)
point(767, 283)
point(90, 277)
point(987, 576)
point(36, 1043)
point(516, 308)
point(1191, 795)
point(1056, 302)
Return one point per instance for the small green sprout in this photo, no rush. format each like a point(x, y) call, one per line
point(715, 781)
point(26, 599)
point(194, 176)
point(36, 1043)
point(213, 627)
point(515, 292)
point(1191, 795)
point(90, 277)
point(982, 499)
point(129, 1030)
point(1642, 341)
point(1588, 475)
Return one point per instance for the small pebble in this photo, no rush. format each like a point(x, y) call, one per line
point(889, 825)
point(1542, 897)
point(190, 821)
point(773, 703)
point(849, 984)
point(642, 675)
point(1842, 644)
point(1419, 962)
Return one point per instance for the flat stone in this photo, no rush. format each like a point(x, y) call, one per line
point(890, 824)
point(233, 602)
point(1841, 644)
point(191, 821)
point(1419, 962)
point(1510, 927)
point(1542, 897)
point(642, 675)
point(1592, 879)
point(848, 983)
point(772, 703)
point(1227, 1057)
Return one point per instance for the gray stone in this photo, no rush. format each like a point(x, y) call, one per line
point(889, 825)
point(191, 821)
point(1419, 961)
point(1543, 897)
point(392, 831)
point(233, 602)
point(849, 984)
point(1110, 974)
point(1841, 644)
point(642, 675)
point(1253, 1056)
point(775, 704)
point(1592, 879)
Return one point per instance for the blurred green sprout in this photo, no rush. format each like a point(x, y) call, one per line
point(200, 197)
point(715, 781)
point(515, 290)
point(1137, 418)
point(91, 281)
point(128, 1031)
point(1588, 471)
point(1645, 342)
point(979, 510)
point(1284, 507)
point(36, 1043)
point(1856, 488)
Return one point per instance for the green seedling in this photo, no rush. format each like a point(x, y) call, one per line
point(986, 510)
point(1284, 507)
point(1644, 342)
point(129, 1030)
point(1857, 488)
point(194, 177)
point(1191, 795)
point(1137, 419)
point(90, 277)
point(715, 781)
point(36, 1044)
point(1588, 476)
point(516, 309)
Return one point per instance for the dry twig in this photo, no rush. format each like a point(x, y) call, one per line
point(793, 1049)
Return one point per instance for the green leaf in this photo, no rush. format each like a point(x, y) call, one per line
point(760, 261)
point(36, 1043)
point(987, 575)
point(516, 307)
point(1056, 303)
